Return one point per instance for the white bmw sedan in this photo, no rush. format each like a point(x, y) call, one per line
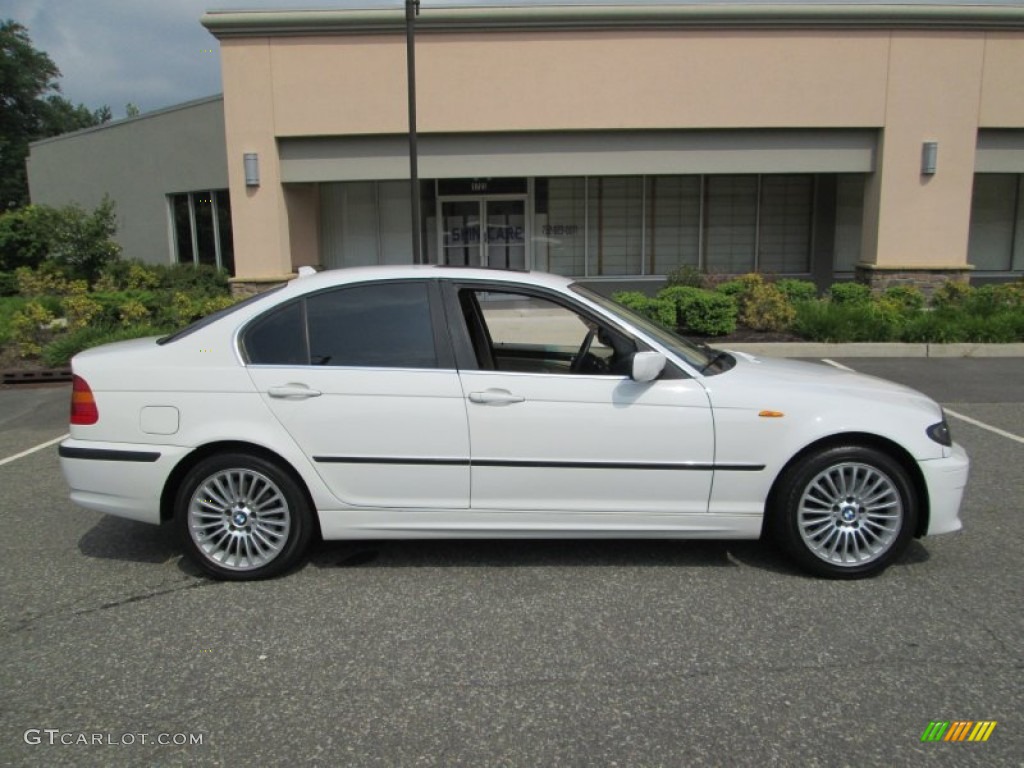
point(417, 402)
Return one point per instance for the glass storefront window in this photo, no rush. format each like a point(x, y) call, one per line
point(997, 223)
point(621, 226)
point(673, 223)
point(730, 223)
point(560, 226)
point(364, 223)
point(849, 221)
point(615, 225)
point(784, 222)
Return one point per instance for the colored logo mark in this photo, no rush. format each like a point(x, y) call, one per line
point(958, 730)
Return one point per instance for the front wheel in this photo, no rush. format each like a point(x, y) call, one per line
point(241, 517)
point(847, 512)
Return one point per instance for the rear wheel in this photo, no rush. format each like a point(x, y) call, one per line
point(241, 517)
point(846, 513)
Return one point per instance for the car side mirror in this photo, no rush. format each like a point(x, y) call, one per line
point(647, 366)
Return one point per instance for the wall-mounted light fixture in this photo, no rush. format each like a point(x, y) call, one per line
point(929, 157)
point(252, 169)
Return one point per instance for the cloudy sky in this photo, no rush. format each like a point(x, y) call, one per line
point(152, 53)
point(155, 53)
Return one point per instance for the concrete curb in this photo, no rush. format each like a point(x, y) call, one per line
point(813, 349)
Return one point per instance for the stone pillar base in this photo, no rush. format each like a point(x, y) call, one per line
point(243, 287)
point(928, 279)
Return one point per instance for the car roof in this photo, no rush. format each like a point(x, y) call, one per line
point(333, 277)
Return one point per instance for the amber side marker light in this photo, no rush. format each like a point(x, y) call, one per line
point(83, 404)
point(771, 414)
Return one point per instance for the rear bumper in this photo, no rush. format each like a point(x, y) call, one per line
point(122, 479)
point(946, 480)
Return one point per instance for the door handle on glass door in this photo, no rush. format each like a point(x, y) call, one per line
point(293, 392)
point(495, 397)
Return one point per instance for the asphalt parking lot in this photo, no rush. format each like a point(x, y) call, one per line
point(513, 653)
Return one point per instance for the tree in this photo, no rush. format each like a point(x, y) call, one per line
point(131, 110)
point(31, 108)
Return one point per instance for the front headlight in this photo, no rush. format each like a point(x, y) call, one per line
point(940, 432)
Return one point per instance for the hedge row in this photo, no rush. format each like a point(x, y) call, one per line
point(54, 318)
point(847, 311)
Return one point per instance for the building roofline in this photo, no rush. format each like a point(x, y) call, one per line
point(129, 120)
point(960, 16)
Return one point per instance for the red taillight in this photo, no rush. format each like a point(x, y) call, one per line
point(83, 404)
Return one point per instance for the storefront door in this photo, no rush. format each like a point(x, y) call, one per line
point(484, 232)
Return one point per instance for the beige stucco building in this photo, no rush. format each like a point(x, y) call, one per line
point(615, 142)
point(628, 140)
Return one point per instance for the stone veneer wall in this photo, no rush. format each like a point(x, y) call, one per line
point(928, 279)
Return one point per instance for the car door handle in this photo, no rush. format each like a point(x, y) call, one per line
point(495, 397)
point(293, 392)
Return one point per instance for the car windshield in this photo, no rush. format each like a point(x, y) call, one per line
point(697, 356)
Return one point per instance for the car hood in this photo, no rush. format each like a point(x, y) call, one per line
point(794, 380)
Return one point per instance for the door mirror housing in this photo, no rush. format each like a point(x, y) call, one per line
point(647, 366)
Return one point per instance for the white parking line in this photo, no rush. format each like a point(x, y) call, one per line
point(954, 414)
point(983, 425)
point(834, 364)
point(30, 451)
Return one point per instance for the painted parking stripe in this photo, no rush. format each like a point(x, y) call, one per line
point(983, 425)
point(834, 364)
point(950, 412)
point(32, 450)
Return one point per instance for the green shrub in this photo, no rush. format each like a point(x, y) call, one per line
point(951, 294)
point(80, 311)
point(44, 281)
point(685, 275)
point(133, 312)
point(850, 293)
point(827, 321)
point(1012, 294)
point(988, 300)
point(766, 308)
point(26, 236)
point(937, 327)
point(74, 241)
point(733, 288)
point(797, 290)
point(9, 307)
point(708, 313)
point(30, 328)
point(201, 279)
point(83, 242)
point(908, 297)
point(59, 352)
point(128, 275)
point(8, 284)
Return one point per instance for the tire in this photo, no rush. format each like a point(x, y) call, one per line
point(241, 517)
point(846, 513)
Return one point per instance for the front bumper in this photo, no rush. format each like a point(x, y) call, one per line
point(946, 479)
point(122, 479)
